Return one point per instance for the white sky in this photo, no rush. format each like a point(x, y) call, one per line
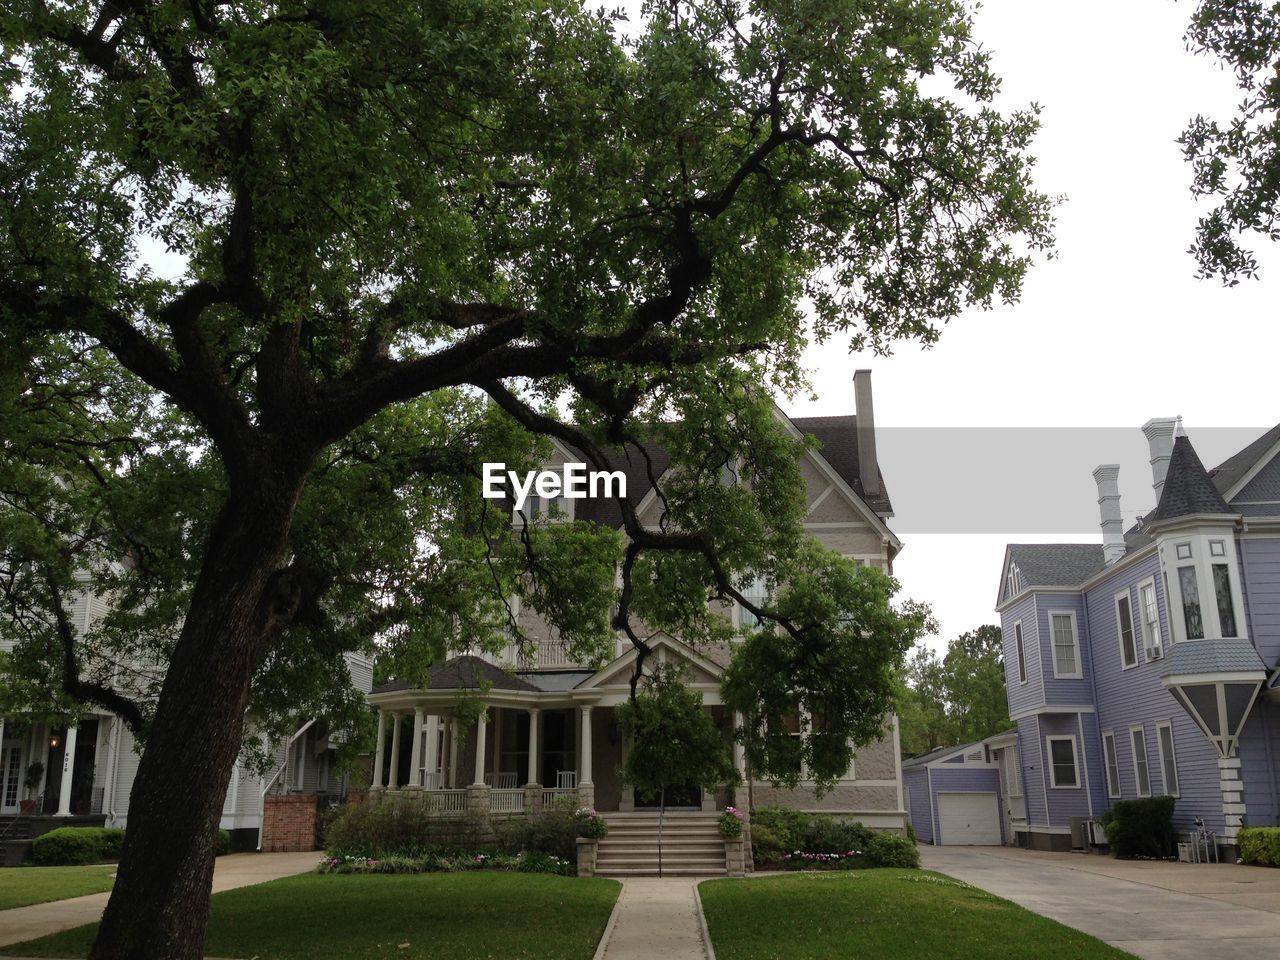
point(1113, 332)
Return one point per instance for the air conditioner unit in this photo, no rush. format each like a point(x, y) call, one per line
point(1097, 833)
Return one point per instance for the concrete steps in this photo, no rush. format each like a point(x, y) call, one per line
point(691, 846)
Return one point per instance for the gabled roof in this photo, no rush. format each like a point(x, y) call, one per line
point(1054, 564)
point(938, 754)
point(1232, 470)
point(1188, 490)
point(838, 437)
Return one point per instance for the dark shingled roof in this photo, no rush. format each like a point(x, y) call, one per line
point(936, 754)
point(1212, 656)
point(1187, 487)
point(1226, 474)
point(1056, 564)
point(838, 439)
point(463, 673)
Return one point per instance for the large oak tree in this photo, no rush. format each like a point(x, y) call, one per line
point(276, 278)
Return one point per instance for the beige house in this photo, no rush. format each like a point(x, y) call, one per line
point(550, 731)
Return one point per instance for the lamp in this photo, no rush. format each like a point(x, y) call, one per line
point(53, 742)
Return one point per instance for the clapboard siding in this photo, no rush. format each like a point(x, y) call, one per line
point(1058, 690)
point(1031, 754)
point(1261, 565)
point(916, 782)
point(1065, 802)
point(1260, 764)
point(1029, 695)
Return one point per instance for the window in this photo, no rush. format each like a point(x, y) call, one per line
point(1140, 771)
point(1168, 762)
point(1018, 652)
point(1062, 762)
point(1217, 548)
point(1184, 551)
point(754, 591)
point(1066, 651)
point(1191, 603)
point(1128, 645)
point(1150, 612)
point(1014, 585)
point(1113, 764)
point(556, 508)
point(1226, 606)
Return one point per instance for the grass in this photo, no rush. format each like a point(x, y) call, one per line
point(462, 916)
point(22, 886)
point(886, 914)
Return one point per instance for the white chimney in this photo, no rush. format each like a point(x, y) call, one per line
point(1107, 477)
point(868, 465)
point(1159, 433)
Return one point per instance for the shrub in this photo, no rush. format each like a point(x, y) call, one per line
point(396, 829)
point(891, 850)
point(553, 832)
point(911, 834)
point(590, 824)
point(767, 848)
point(224, 843)
point(1261, 846)
point(74, 846)
point(731, 823)
point(448, 862)
point(1141, 828)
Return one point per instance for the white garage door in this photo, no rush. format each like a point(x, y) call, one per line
point(969, 818)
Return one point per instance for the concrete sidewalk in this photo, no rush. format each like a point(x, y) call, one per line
point(1159, 911)
point(656, 917)
point(232, 871)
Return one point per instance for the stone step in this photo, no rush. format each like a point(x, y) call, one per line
point(666, 872)
point(710, 844)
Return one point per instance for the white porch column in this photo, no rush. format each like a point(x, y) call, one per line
point(431, 762)
point(378, 752)
point(393, 779)
point(533, 745)
point(415, 762)
point(453, 752)
point(497, 743)
point(482, 728)
point(739, 754)
point(586, 745)
point(68, 768)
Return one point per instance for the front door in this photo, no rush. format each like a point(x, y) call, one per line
point(10, 778)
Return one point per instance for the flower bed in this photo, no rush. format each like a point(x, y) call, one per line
point(524, 862)
point(800, 860)
point(591, 825)
point(731, 823)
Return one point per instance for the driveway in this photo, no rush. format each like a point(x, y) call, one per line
point(1159, 911)
point(231, 871)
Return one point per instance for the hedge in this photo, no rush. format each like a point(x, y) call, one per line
point(1260, 845)
point(805, 841)
point(1141, 828)
point(76, 846)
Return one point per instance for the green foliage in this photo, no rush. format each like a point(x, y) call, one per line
point(891, 850)
point(553, 831)
point(224, 842)
point(1235, 162)
point(1141, 827)
point(35, 770)
point(74, 846)
point(449, 861)
point(849, 636)
point(957, 699)
point(590, 824)
point(671, 739)
point(1260, 845)
point(396, 829)
point(767, 846)
point(777, 832)
point(730, 823)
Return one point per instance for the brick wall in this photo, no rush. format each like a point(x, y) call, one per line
point(289, 823)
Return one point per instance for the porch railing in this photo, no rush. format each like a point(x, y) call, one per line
point(506, 801)
point(446, 802)
point(559, 796)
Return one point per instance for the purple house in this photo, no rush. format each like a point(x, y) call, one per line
point(1147, 665)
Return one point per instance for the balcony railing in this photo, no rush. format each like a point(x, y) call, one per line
point(506, 801)
point(446, 802)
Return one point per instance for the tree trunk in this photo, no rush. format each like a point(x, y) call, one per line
point(159, 908)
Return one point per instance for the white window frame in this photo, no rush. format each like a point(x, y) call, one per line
point(1078, 673)
point(1126, 596)
point(1161, 727)
point(1111, 764)
point(1075, 761)
point(1020, 651)
point(748, 591)
point(1158, 646)
point(1141, 731)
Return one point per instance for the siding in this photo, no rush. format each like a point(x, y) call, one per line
point(1031, 756)
point(1260, 563)
point(1067, 802)
point(916, 782)
point(1063, 691)
point(1029, 695)
point(1260, 764)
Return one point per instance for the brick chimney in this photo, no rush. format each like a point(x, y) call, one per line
point(1159, 432)
point(868, 465)
point(1107, 477)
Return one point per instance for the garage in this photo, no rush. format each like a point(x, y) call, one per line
point(969, 819)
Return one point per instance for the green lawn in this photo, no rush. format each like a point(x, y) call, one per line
point(20, 886)
point(885, 914)
point(462, 916)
